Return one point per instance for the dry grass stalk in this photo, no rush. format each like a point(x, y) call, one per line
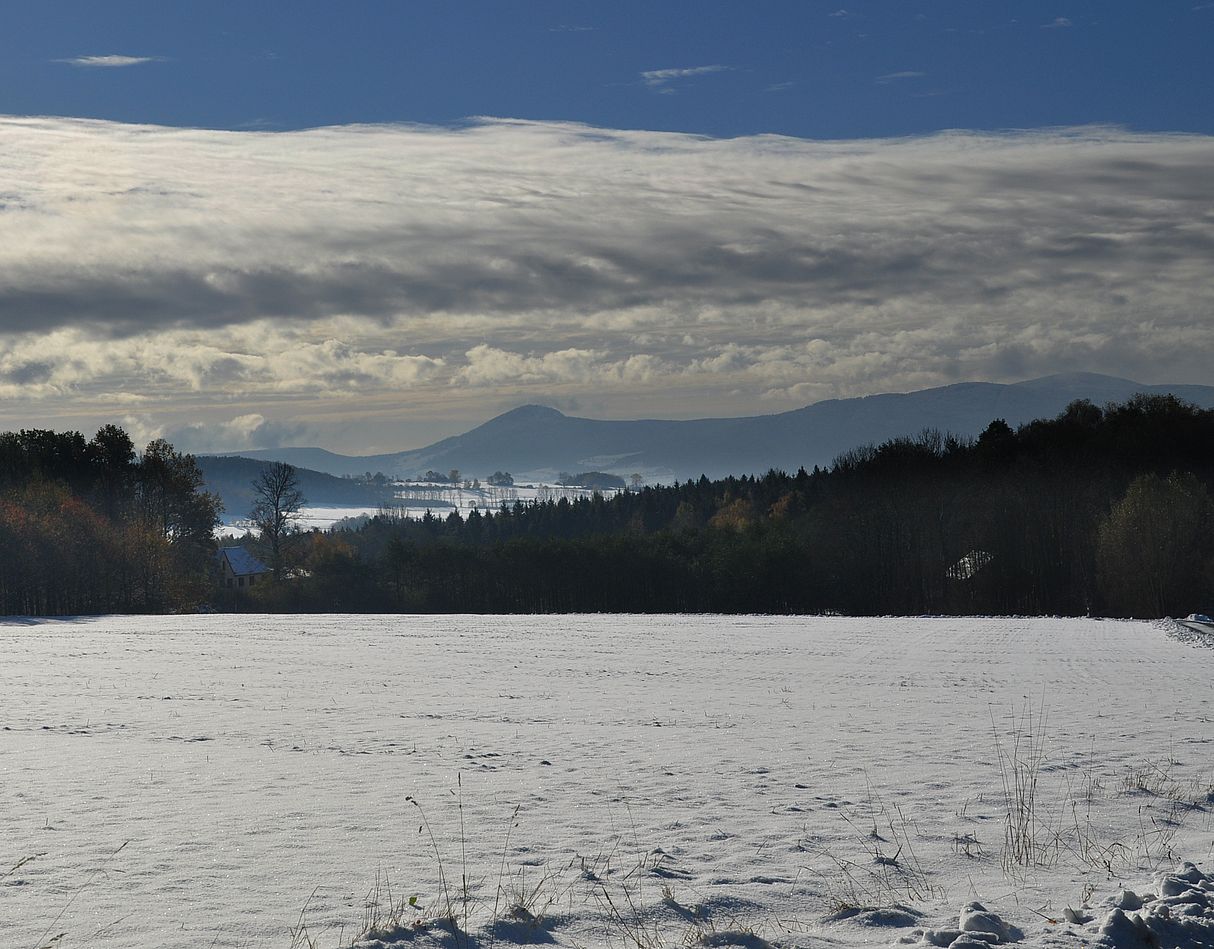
point(1028, 839)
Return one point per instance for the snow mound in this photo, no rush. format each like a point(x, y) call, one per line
point(894, 917)
point(733, 938)
point(1194, 634)
point(1182, 915)
point(977, 928)
point(1179, 914)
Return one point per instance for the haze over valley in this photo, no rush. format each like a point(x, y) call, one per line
point(538, 442)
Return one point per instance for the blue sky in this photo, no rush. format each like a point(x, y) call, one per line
point(838, 69)
point(367, 225)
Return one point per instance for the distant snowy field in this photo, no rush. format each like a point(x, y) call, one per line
point(672, 780)
point(414, 500)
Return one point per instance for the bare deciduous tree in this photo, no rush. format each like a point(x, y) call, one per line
point(276, 505)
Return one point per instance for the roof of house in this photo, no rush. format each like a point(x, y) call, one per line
point(241, 562)
point(968, 566)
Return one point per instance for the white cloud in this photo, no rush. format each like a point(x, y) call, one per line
point(488, 365)
point(373, 272)
point(1058, 23)
point(899, 76)
point(110, 62)
point(657, 78)
point(222, 435)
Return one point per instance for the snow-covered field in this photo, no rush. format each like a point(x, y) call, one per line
point(201, 781)
point(414, 500)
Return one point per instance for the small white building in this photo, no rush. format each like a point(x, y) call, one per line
point(968, 566)
point(239, 568)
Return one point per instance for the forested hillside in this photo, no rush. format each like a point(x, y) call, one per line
point(93, 527)
point(232, 477)
point(1103, 511)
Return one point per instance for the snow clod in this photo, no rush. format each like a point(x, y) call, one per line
point(972, 941)
point(977, 920)
point(1124, 932)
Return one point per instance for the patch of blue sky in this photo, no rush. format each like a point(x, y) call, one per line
point(810, 68)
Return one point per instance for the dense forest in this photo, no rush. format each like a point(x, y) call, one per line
point(1098, 511)
point(1101, 511)
point(93, 527)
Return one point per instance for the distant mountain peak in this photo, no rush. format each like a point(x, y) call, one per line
point(1061, 379)
point(531, 413)
point(538, 441)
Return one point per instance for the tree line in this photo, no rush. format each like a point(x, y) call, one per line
point(1097, 511)
point(95, 527)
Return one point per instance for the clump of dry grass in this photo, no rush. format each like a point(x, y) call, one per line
point(522, 898)
point(1157, 779)
point(889, 875)
point(1034, 838)
point(1030, 839)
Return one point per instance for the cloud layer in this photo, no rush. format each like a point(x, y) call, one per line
point(232, 274)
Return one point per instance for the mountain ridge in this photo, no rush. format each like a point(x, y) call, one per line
point(537, 441)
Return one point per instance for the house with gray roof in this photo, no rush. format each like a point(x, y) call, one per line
point(239, 568)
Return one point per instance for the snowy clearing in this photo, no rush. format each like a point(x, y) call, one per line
point(633, 781)
point(416, 499)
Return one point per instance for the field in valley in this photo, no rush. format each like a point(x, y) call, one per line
point(214, 781)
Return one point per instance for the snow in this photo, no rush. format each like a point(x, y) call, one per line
point(441, 499)
point(414, 499)
point(241, 562)
point(202, 781)
point(324, 517)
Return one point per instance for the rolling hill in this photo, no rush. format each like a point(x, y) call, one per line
point(232, 477)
